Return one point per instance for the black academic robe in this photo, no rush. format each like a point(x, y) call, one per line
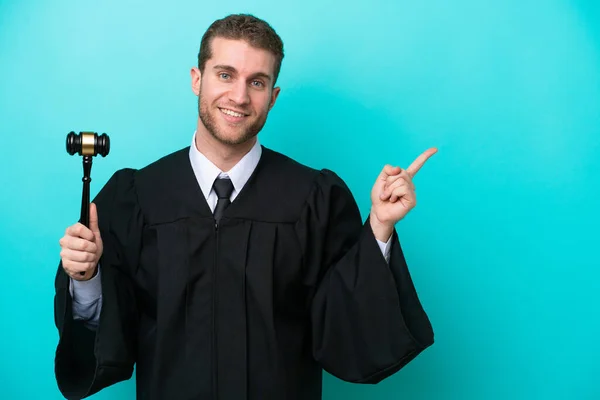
point(291, 282)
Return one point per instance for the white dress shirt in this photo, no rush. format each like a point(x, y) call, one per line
point(206, 172)
point(87, 295)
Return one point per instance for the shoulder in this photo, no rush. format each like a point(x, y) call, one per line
point(158, 170)
point(280, 164)
point(307, 175)
point(163, 173)
point(301, 181)
point(164, 176)
point(165, 166)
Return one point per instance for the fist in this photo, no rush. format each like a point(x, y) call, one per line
point(81, 248)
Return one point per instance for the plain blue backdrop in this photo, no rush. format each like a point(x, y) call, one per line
point(503, 244)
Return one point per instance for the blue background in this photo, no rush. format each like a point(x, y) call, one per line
point(502, 245)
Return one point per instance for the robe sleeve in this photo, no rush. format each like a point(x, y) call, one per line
point(367, 321)
point(87, 361)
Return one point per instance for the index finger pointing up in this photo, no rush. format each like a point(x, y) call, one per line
point(420, 161)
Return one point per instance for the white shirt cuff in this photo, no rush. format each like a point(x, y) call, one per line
point(86, 292)
point(385, 247)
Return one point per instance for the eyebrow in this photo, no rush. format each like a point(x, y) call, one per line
point(233, 70)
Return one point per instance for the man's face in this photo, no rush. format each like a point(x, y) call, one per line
point(235, 91)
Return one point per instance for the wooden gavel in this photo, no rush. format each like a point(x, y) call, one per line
point(88, 145)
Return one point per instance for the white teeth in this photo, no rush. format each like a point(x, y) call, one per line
point(232, 113)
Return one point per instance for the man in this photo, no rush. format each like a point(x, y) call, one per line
point(228, 271)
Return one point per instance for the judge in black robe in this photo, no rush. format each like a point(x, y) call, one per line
point(291, 282)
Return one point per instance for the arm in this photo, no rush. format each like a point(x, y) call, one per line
point(367, 319)
point(88, 360)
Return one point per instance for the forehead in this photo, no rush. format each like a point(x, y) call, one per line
point(240, 55)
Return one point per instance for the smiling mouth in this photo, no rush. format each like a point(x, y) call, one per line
point(232, 113)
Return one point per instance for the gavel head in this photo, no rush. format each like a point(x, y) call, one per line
point(88, 144)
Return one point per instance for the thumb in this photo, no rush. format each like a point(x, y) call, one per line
point(387, 171)
point(94, 219)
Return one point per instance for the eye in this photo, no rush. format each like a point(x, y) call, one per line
point(224, 75)
point(257, 84)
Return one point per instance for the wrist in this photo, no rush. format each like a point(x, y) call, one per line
point(381, 230)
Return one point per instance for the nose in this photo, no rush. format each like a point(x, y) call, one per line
point(239, 93)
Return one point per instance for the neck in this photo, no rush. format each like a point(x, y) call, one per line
point(224, 156)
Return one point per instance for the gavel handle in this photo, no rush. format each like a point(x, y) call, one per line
point(85, 196)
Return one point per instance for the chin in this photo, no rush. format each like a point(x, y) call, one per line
point(230, 134)
point(233, 138)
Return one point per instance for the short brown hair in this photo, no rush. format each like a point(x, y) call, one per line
point(255, 31)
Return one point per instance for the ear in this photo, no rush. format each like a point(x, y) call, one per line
point(274, 95)
point(196, 76)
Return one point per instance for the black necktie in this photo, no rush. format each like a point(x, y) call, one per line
point(223, 188)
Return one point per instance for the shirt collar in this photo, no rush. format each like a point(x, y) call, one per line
point(206, 172)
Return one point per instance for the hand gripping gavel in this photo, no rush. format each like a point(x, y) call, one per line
point(88, 145)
